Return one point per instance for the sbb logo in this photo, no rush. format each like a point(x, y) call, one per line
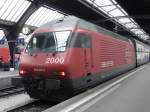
point(55, 60)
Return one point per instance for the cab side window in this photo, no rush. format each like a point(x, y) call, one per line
point(83, 41)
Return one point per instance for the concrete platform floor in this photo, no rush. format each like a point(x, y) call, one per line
point(5, 78)
point(132, 95)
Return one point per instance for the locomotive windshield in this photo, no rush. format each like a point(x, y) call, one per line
point(48, 42)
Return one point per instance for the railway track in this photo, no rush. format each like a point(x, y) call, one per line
point(10, 90)
point(26, 104)
point(36, 106)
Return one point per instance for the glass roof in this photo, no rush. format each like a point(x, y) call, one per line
point(115, 12)
point(103, 2)
point(42, 16)
point(12, 10)
point(1, 34)
point(124, 20)
point(109, 8)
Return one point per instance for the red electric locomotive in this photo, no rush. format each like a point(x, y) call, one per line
point(70, 54)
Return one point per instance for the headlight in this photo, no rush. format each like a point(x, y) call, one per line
point(22, 72)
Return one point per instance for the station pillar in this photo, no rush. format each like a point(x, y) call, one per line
point(11, 36)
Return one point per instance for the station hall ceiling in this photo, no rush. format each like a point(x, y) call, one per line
point(126, 17)
point(116, 12)
point(139, 10)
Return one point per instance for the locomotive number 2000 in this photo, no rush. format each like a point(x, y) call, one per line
point(55, 60)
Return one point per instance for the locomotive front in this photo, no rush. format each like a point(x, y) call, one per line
point(43, 65)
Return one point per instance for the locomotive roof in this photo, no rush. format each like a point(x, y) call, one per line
point(64, 22)
point(71, 22)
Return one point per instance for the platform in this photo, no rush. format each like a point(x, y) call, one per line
point(127, 93)
point(5, 78)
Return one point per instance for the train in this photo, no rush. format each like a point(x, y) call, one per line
point(5, 58)
point(4, 55)
point(70, 55)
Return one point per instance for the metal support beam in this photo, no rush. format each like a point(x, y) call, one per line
point(6, 24)
point(12, 32)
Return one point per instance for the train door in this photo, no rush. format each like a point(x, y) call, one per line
point(87, 46)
